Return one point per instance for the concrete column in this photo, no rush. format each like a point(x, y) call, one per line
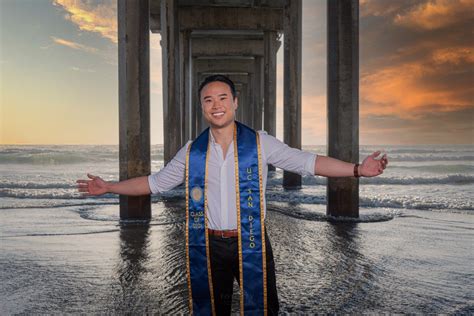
point(269, 124)
point(238, 90)
point(196, 103)
point(292, 84)
point(257, 107)
point(270, 78)
point(134, 102)
point(185, 86)
point(248, 96)
point(171, 79)
point(343, 102)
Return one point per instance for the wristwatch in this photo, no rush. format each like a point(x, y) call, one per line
point(356, 170)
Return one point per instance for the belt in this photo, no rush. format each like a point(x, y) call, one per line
point(223, 233)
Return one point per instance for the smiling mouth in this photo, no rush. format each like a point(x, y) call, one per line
point(218, 114)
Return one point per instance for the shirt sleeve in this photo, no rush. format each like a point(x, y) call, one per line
point(171, 175)
point(285, 157)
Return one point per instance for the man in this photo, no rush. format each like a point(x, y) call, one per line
point(225, 171)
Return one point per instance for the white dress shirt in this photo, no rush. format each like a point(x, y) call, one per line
point(221, 197)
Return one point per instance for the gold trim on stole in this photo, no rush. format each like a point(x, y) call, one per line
point(262, 222)
point(188, 269)
point(239, 229)
point(209, 274)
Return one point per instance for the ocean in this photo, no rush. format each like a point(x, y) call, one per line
point(409, 252)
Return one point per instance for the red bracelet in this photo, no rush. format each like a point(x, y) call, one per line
point(356, 170)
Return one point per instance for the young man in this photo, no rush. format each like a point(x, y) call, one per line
point(225, 171)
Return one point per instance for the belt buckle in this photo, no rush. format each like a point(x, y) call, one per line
point(223, 235)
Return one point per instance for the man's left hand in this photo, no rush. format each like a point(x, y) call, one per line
point(372, 167)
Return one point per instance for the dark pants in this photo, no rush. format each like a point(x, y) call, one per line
point(225, 267)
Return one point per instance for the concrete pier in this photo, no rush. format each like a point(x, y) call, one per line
point(238, 38)
point(292, 84)
point(172, 106)
point(343, 102)
point(134, 102)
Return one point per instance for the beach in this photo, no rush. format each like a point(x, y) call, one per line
point(409, 252)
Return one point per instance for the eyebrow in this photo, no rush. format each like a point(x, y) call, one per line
point(219, 95)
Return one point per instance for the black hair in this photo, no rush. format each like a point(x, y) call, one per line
point(220, 78)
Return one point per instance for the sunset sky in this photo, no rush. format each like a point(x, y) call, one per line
point(59, 76)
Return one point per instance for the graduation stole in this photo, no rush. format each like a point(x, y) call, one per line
point(250, 217)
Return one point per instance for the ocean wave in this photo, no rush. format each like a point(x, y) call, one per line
point(413, 150)
point(421, 158)
point(64, 155)
point(455, 168)
point(374, 202)
point(48, 194)
point(66, 189)
point(454, 179)
point(35, 185)
point(75, 154)
point(35, 199)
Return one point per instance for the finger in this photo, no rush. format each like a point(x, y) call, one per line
point(82, 186)
point(375, 154)
point(91, 176)
point(83, 181)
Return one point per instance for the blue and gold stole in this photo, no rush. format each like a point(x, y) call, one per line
point(252, 254)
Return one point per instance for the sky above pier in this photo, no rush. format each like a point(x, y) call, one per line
point(59, 73)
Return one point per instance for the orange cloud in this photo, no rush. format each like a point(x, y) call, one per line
point(378, 8)
point(454, 55)
point(402, 89)
point(436, 14)
point(74, 45)
point(92, 16)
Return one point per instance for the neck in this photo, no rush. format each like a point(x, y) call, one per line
point(223, 135)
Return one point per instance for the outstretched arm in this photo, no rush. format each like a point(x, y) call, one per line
point(166, 179)
point(97, 186)
point(331, 167)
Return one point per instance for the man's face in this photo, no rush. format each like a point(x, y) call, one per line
point(218, 105)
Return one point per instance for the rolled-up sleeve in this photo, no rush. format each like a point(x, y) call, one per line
point(171, 175)
point(285, 157)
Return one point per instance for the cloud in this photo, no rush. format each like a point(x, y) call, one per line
point(92, 16)
point(74, 45)
point(453, 55)
point(411, 88)
point(78, 69)
point(436, 14)
point(406, 72)
point(382, 8)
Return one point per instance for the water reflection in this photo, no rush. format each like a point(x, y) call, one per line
point(350, 273)
point(131, 268)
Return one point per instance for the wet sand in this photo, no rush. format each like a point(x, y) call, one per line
point(82, 260)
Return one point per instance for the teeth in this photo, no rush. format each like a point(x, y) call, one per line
point(218, 114)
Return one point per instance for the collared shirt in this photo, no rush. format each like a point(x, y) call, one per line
point(221, 197)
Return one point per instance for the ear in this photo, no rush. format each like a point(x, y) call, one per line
point(236, 103)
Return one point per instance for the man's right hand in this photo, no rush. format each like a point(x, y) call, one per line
point(93, 187)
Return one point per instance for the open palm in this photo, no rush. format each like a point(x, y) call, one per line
point(95, 186)
point(371, 166)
